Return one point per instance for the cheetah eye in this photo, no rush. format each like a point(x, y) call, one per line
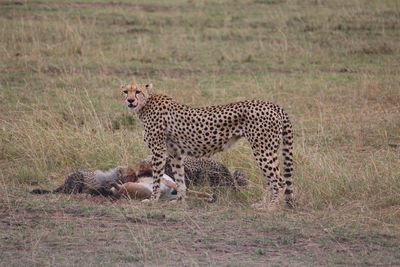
point(138, 92)
point(125, 92)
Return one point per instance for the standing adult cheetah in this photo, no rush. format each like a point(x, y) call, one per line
point(174, 130)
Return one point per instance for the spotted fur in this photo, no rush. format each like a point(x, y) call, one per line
point(93, 182)
point(176, 131)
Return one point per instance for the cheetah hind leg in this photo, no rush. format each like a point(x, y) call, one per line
point(269, 166)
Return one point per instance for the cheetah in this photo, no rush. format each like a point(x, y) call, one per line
point(93, 182)
point(199, 170)
point(176, 131)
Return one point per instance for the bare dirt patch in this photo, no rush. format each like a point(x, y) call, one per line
point(128, 231)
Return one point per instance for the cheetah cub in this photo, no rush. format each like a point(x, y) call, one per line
point(175, 131)
point(200, 170)
point(93, 182)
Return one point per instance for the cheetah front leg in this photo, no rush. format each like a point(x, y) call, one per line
point(179, 175)
point(158, 165)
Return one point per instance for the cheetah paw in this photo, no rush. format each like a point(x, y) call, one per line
point(149, 201)
point(259, 206)
point(264, 206)
point(291, 203)
point(213, 198)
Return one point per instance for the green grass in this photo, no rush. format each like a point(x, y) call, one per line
point(332, 65)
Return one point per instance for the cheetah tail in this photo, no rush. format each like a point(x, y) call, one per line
point(60, 189)
point(287, 151)
point(39, 191)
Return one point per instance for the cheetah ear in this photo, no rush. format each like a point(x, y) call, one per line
point(149, 88)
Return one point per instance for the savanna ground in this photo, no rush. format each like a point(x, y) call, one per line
point(333, 65)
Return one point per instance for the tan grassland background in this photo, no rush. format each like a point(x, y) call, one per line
point(333, 65)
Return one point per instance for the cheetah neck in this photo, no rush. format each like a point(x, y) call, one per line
point(141, 113)
point(155, 100)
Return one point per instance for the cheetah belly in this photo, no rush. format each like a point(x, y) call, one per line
point(197, 147)
point(230, 143)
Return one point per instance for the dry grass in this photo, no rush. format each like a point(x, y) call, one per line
point(332, 65)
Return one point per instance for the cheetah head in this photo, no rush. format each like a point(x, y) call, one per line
point(127, 174)
point(135, 95)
